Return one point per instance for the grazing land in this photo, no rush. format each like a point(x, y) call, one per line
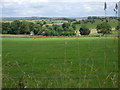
point(65, 62)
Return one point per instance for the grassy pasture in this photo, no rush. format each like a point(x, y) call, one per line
point(113, 23)
point(76, 62)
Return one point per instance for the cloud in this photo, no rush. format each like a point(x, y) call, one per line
point(61, 8)
point(28, 1)
point(33, 1)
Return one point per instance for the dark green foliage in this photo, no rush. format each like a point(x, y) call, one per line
point(40, 23)
point(84, 30)
point(31, 26)
point(104, 28)
point(44, 22)
point(74, 27)
point(24, 28)
point(57, 28)
point(37, 28)
point(16, 27)
point(66, 25)
point(77, 22)
point(118, 28)
point(6, 28)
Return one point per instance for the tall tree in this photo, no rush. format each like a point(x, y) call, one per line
point(24, 28)
point(6, 28)
point(16, 26)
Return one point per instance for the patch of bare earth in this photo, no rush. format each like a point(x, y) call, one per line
point(93, 31)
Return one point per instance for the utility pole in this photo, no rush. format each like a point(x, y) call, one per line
point(119, 9)
point(116, 9)
point(105, 7)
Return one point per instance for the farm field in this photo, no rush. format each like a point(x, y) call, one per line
point(65, 62)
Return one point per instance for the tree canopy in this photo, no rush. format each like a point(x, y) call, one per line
point(84, 30)
point(103, 28)
point(24, 27)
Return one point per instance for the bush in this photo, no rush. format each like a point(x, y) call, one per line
point(84, 30)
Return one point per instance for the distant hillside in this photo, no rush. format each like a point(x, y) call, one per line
point(36, 18)
point(23, 18)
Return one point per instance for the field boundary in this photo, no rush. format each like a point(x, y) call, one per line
point(106, 35)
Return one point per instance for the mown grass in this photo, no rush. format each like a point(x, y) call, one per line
point(76, 62)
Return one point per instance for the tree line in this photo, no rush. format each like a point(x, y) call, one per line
point(24, 27)
point(66, 29)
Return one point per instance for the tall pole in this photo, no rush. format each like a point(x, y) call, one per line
point(105, 13)
point(119, 9)
point(105, 7)
point(116, 10)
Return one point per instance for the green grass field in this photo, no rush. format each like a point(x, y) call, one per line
point(113, 23)
point(73, 62)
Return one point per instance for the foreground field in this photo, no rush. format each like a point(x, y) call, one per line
point(78, 62)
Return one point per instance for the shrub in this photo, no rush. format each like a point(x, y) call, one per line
point(84, 30)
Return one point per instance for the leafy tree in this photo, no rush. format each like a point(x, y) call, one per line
point(65, 25)
point(37, 28)
point(104, 28)
point(70, 29)
point(47, 26)
point(47, 33)
point(24, 28)
point(77, 22)
point(50, 33)
point(84, 30)
point(6, 29)
point(44, 22)
point(31, 26)
point(16, 26)
point(57, 28)
point(50, 27)
point(65, 29)
point(118, 26)
point(40, 23)
point(74, 27)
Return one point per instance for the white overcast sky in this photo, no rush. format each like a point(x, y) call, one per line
point(55, 8)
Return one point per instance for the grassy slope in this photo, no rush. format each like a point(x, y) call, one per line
point(67, 58)
point(113, 23)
